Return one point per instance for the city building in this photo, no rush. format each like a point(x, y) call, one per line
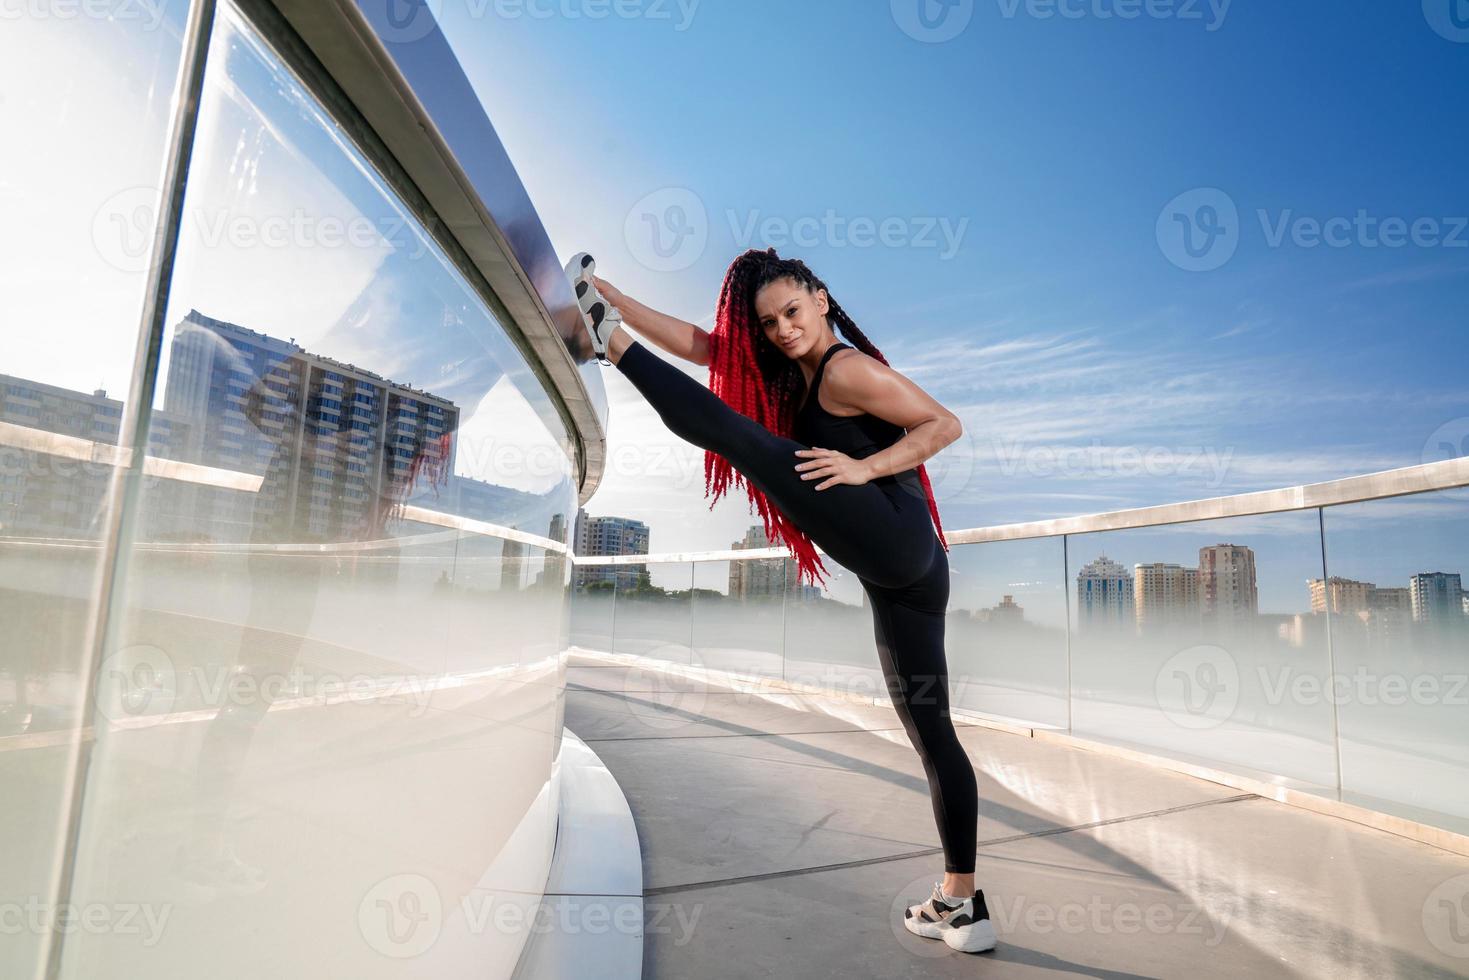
point(1165, 595)
point(1342, 596)
point(60, 492)
point(1008, 613)
point(1104, 594)
point(1437, 600)
point(1228, 593)
point(340, 447)
point(765, 576)
point(596, 536)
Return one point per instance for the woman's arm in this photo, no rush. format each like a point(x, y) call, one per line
point(679, 337)
point(865, 384)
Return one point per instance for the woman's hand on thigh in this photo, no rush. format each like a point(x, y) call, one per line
point(832, 467)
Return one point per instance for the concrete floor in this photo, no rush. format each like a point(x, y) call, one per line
point(783, 836)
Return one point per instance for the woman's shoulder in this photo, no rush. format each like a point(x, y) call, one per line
point(850, 375)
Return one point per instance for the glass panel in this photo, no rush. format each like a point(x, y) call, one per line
point(332, 694)
point(652, 615)
point(1188, 639)
point(593, 606)
point(738, 611)
point(829, 636)
point(86, 110)
point(1400, 632)
point(1006, 631)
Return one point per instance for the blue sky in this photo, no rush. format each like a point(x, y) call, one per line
point(1058, 325)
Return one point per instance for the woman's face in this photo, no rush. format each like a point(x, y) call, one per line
point(793, 318)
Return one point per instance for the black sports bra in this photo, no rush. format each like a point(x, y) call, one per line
point(859, 436)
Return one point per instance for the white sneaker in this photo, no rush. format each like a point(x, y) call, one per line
point(965, 927)
point(599, 316)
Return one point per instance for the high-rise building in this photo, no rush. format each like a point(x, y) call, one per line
point(1165, 595)
point(340, 447)
point(553, 571)
point(595, 536)
point(1104, 594)
point(58, 486)
point(1228, 594)
point(1437, 599)
point(1342, 596)
point(765, 576)
point(1008, 612)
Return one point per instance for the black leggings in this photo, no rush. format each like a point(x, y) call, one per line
point(883, 534)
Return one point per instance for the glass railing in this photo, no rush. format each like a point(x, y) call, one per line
point(1315, 638)
point(286, 486)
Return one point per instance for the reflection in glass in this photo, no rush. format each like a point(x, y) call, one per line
point(652, 611)
point(86, 105)
point(1192, 639)
point(1400, 631)
point(1006, 630)
point(343, 597)
point(738, 611)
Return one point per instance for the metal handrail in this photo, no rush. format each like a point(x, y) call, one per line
point(1421, 478)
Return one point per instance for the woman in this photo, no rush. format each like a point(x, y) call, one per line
point(829, 442)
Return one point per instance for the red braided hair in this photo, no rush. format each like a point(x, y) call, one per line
point(751, 376)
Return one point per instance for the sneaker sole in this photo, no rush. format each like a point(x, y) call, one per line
point(976, 938)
